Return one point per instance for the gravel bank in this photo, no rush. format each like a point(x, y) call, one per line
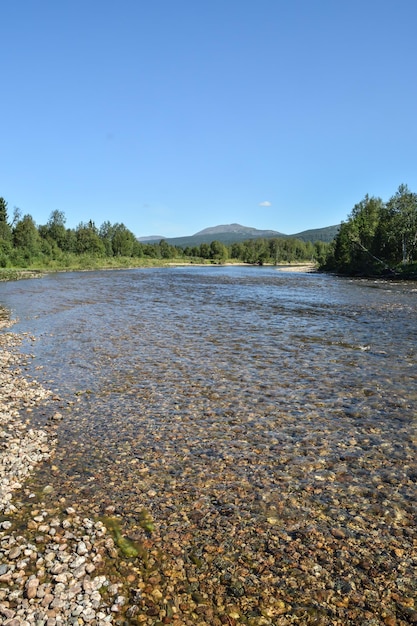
point(49, 564)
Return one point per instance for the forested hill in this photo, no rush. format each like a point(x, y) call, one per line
point(326, 234)
point(235, 233)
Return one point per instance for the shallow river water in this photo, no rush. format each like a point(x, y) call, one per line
point(264, 420)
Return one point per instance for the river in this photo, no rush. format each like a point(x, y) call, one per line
point(266, 421)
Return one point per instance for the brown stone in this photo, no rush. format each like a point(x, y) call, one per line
point(32, 587)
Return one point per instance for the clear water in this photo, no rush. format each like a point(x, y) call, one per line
point(159, 349)
point(225, 398)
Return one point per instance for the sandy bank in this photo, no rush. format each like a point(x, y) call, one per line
point(299, 267)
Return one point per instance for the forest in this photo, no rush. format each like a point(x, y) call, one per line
point(23, 244)
point(378, 238)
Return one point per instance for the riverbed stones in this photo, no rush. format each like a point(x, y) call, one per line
point(31, 587)
point(64, 550)
point(271, 506)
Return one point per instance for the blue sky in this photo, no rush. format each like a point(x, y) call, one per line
point(174, 115)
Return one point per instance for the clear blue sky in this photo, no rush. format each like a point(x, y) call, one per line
point(174, 115)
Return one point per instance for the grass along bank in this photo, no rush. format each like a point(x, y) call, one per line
point(86, 262)
point(74, 263)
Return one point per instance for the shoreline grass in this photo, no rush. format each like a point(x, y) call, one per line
point(90, 263)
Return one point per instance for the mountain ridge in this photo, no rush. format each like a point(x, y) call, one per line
point(236, 228)
point(235, 233)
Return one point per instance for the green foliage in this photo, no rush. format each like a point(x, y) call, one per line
point(87, 240)
point(218, 251)
point(117, 239)
point(399, 226)
point(26, 236)
point(5, 230)
point(137, 251)
point(122, 240)
point(204, 252)
point(276, 251)
point(3, 210)
point(53, 246)
point(377, 237)
point(166, 250)
point(56, 228)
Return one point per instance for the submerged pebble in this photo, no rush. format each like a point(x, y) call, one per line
point(40, 558)
point(262, 473)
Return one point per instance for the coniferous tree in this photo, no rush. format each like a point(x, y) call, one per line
point(5, 230)
point(5, 235)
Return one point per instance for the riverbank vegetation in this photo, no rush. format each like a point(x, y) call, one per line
point(53, 247)
point(378, 239)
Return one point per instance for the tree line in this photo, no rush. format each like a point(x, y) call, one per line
point(23, 244)
point(377, 238)
point(262, 251)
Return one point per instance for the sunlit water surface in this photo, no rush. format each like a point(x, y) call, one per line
point(174, 358)
point(216, 394)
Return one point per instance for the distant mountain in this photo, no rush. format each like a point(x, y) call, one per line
point(150, 238)
point(237, 229)
point(234, 233)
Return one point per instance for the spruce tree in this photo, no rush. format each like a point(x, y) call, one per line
point(5, 230)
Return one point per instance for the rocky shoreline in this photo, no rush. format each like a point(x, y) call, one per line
point(49, 563)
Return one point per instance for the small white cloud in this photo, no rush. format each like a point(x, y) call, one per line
point(265, 203)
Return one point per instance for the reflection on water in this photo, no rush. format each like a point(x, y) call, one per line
point(230, 398)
